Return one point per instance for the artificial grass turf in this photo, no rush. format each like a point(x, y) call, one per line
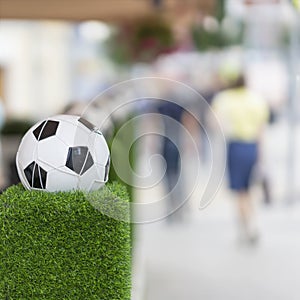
point(61, 245)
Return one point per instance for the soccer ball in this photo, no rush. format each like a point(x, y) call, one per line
point(63, 153)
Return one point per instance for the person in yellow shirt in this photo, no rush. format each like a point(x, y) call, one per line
point(242, 114)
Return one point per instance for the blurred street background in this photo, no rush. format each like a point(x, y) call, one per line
point(70, 57)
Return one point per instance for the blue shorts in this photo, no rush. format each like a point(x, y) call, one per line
point(242, 157)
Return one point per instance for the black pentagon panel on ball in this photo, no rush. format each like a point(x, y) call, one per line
point(43, 177)
point(87, 124)
point(107, 169)
point(79, 159)
point(88, 163)
point(28, 171)
point(37, 131)
point(49, 129)
point(36, 176)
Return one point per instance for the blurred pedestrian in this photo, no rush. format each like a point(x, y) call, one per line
point(243, 114)
point(170, 152)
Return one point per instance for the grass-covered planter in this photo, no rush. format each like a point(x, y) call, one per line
point(62, 245)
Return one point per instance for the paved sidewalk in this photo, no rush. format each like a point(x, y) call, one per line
point(202, 259)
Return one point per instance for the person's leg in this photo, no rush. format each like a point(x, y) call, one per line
point(172, 157)
point(247, 217)
point(245, 209)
